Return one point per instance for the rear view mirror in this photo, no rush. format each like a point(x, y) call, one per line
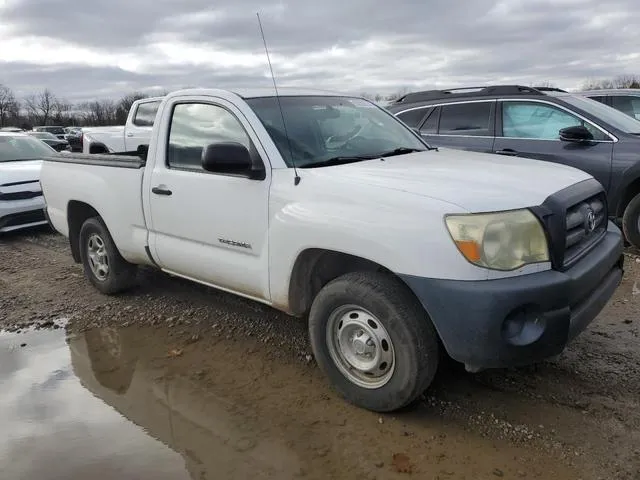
point(577, 133)
point(228, 157)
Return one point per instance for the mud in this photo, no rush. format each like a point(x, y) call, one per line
point(178, 378)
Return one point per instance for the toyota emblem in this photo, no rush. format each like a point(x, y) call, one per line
point(591, 221)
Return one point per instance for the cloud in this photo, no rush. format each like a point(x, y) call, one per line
point(86, 50)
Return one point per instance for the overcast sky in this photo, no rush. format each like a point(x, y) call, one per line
point(85, 49)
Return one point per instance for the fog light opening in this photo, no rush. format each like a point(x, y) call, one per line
point(524, 326)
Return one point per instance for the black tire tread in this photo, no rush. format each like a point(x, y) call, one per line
point(408, 309)
point(122, 274)
point(630, 222)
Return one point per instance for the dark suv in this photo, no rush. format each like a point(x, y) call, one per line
point(541, 123)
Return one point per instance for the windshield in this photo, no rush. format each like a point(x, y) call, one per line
point(55, 130)
point(322, 128)
point(613, 117)
point(44, 135)
point(23, 148)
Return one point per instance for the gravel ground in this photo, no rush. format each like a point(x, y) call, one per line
point(577, 416)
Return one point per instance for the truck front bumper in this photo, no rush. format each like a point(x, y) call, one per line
point(521, 320)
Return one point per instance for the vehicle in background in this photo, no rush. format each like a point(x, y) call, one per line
point(21, 202)
point(127, 138)
point(51, 140)
point(11, 129)
point(74, 137)
point(627, 100)
point(55, 130)
point(342, 213)
point(537, 123)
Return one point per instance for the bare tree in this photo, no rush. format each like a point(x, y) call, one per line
point(41, 106)
point(8, 105)
point(544, 84)
point(99, 112)
point(124, 105)
point(61, 112)
point(621, 81)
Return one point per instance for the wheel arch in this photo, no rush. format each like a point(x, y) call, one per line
point(629, 193)
point(77, 213)
point(315, 267)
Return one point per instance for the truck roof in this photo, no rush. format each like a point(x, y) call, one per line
point(257, 92)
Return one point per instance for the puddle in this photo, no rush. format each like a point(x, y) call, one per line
point(137, 403)
point(54, 428)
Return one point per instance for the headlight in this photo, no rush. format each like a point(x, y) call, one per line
point(499, 241)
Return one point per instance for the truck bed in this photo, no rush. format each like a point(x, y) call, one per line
point(120, 160)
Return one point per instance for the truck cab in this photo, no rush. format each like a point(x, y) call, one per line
point(127, 138)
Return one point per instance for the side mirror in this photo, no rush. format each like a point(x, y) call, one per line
point(142, 151)
point(575, 134)
point(227, 157)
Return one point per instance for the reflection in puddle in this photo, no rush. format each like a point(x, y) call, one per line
point(54, 428)
point(116, 404)
point(215, 438)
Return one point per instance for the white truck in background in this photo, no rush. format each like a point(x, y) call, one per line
point(123, 138)
point(342, 213)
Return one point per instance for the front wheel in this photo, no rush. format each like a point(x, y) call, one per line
point(374, 341)
point(103, 265)
point(631, 222)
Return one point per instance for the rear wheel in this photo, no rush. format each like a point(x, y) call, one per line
point(374, 341)
point(103, 265)
point(631, 222)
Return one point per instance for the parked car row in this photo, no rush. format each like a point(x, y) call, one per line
point(328, 206)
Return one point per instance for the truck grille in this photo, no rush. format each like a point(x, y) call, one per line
point(585, 223)
point(24, 218)
point(576, 218)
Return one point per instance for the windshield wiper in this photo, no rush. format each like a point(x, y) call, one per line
point(400, 151)
point(358, 158)
point(338, 161)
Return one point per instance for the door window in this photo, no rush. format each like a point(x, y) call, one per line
point(196, 125)
point(146, 114)
point(413, 117)
point(627, 104)
point(540, 121)
point(466, 119)
point(430, 125)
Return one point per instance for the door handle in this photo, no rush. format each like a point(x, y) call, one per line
point(161, 191)
point(507, 151)
point(129, 134)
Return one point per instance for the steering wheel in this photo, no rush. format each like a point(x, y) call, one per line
point(342, 140)
point(302, 148)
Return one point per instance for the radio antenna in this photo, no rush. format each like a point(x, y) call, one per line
point(296, 179)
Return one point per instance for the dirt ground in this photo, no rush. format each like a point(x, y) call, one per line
point(245, 372)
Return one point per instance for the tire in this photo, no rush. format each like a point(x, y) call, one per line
point(120, 274)
point(631, 222)
point(402, 372)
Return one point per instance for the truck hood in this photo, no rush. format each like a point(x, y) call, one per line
point(474, 181)
point(20, 171)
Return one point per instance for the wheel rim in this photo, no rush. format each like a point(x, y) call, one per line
point(97, 255)
point(360, 346)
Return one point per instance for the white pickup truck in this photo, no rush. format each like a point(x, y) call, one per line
point(124, 138)
point(395, 251)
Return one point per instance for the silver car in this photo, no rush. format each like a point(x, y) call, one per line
point(21, 202)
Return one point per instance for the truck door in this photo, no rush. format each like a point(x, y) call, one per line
point(206, 226)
